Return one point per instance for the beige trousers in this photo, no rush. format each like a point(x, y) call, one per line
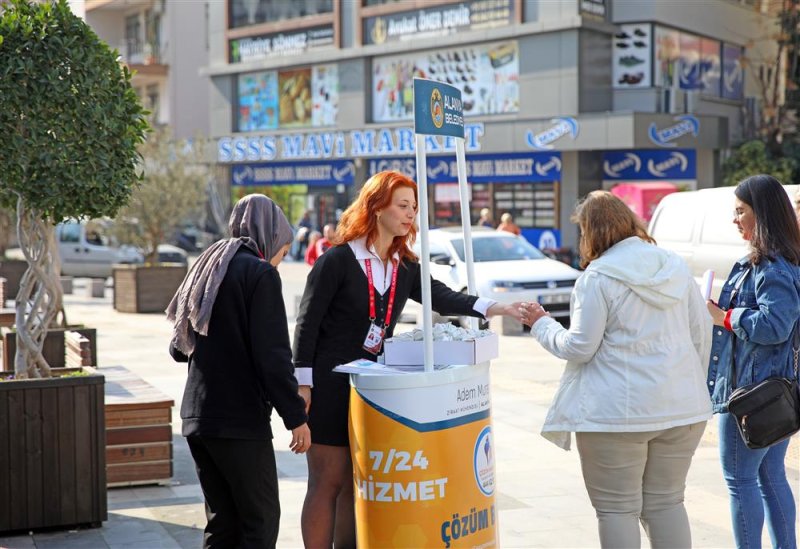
point(634, 477)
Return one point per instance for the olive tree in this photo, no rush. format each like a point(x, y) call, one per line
point(173, 187)
point(70, 123)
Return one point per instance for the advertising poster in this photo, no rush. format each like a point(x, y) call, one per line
point(295, 104)
point(690, 73)
point(324, 95)
point(487, 74)
point(732, 72)
point(304, 97)
point(258, 101)
point(710, 66)
point(632, 54)
point(667, 57)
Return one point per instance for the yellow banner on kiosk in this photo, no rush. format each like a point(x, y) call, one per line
point(423, 456)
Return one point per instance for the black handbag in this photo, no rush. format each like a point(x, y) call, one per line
point(769, 411)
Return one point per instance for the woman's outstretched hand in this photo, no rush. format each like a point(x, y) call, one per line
point(506, 309)
point(531, 312)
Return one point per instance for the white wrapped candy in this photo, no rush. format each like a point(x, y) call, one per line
point(443, 332)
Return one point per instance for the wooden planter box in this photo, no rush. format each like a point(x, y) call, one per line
point(12, 270)
point(52, 452)
point(146, 289)
point(138, 430)
point(54, 350)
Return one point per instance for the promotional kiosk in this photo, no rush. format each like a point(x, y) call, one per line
point(421, 443)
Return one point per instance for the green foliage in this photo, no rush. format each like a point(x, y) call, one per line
point(69, 118)
point(173, 187)
point(751, 158)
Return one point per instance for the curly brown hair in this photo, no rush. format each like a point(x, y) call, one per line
point(605, 220)
point(360, 220)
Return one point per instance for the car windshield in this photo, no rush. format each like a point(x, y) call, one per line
point(502, 248)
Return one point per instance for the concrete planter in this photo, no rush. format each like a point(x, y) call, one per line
point(52, 452)
point(146, 289)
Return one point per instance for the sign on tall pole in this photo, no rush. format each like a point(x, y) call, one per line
point(438, 111)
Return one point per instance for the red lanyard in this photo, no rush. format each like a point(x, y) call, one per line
point(372, 314)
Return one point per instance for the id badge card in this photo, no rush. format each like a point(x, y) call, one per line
point(374, 339)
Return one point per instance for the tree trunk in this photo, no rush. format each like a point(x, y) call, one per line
point(39, 300)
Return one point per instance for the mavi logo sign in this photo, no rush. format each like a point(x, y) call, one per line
point(563, 126)
point(685, 124)
point(544, 168)
point(615, 169)
point(675, 159)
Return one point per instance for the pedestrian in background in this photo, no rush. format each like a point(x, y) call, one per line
point(485, 219)
point(312, 251)
point(230, 326)
point(633, 390)
point(758, 310)
point(304, 228)
point(507, 224)
point(324, 243)
point(353, 297)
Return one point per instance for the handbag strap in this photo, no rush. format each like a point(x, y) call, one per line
point(734, 295)
point(795, 337)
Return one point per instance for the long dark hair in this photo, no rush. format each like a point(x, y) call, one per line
point(776, 231)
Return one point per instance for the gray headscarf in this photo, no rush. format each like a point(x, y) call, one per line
point(257, 223)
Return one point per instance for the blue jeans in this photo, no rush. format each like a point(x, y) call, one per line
point(758, 487)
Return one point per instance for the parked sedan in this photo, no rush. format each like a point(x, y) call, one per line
point(507, 268)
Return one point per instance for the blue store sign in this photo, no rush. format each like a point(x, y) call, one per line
point(330, 173)
point(649, 165)
point(530, 167)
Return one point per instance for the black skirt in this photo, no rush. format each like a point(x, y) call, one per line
point(330, 403)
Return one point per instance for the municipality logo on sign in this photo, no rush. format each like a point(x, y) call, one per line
point(562, 126)
point(437, 108)
point(686, 124)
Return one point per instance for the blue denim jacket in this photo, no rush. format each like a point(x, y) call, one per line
point(766, 309)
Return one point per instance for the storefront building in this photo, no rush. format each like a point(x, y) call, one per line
point(310, 98)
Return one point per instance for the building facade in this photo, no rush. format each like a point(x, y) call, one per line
point(310, 97)
point(165, 44)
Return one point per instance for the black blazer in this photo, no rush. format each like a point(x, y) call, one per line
point(334, 312)
point(244, 366)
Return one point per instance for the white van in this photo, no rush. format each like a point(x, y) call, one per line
point(698, 226)
point(86, 250)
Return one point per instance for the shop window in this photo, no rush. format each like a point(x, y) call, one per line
point(530, 204)
point(253, 12)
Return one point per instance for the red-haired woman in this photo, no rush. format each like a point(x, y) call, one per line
point(339, 321)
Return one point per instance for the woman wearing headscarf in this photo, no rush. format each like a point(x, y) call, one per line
point(230, 325)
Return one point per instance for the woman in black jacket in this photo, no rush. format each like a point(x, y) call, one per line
point(230, 325)
point(352, 300)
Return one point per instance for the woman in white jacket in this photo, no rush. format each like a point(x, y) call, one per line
point(633, 390)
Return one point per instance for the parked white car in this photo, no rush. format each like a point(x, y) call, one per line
point(698, 226)
point(87, 251)
point(507, 268)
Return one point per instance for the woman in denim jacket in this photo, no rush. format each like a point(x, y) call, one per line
point(761, 316)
